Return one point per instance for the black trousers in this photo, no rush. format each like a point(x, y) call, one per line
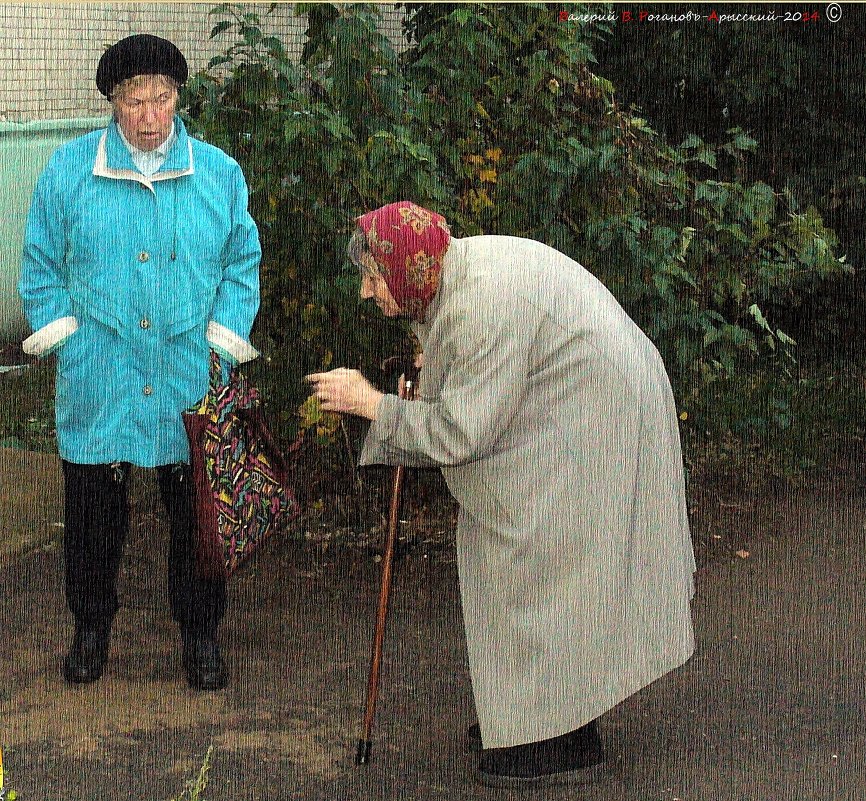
point(96, 525)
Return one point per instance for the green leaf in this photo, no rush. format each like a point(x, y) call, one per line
point(743, 141)
point(462, 16)
point(251, 34)
point(691, 141)
point(221, 26)
point(223, 8)
point(759, 317)
point(273, 44)
point(706, 156)
point(217, 60)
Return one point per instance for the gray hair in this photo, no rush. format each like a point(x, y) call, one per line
point(359, 254)
point(137, 81)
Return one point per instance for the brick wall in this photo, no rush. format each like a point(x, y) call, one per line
point(49, 50)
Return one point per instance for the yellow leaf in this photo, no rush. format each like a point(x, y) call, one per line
point(494, 154)
point(475, 159)
point(684, 415)
point(488, 176)
point(310, 412)
point(743, 554)
point(478, 200)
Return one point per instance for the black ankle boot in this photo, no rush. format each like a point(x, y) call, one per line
point(473, 737)
point(87, 656)
point(556, 759)
point(204, 666)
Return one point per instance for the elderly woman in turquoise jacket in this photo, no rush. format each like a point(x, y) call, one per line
point(140, 255)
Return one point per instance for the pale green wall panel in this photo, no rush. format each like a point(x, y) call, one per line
point(24, 151)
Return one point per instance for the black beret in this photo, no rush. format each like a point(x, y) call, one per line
point(141, 54)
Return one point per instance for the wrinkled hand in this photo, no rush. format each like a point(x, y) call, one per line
point(346, 391)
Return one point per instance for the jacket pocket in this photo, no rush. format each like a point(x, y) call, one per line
point(89, 302)
point(192, 313)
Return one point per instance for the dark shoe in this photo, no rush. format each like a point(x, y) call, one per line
point(205, 669)
point(548, 761)
point(87, 656)
point(473, 737)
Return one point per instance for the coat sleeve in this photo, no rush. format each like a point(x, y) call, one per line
point(42, 284)
point(486, 357)
point(237, 298)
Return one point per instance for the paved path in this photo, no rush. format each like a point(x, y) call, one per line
point(771, 707)
point(31, 501)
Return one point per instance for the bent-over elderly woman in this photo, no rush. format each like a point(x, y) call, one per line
point(552, 418)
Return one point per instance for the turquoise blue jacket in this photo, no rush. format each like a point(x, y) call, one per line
point(131, 279)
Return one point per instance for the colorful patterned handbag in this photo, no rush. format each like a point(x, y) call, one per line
point(241, 481)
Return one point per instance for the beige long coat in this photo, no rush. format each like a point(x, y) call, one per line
point(552, 418)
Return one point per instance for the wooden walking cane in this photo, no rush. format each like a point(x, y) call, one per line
point(365, 744)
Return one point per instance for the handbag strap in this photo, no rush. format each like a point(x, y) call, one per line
point(231, 395)
point(215, 375)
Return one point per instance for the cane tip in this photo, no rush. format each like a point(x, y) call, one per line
point(363, 755)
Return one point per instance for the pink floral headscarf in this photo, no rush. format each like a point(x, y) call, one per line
point(408, 244)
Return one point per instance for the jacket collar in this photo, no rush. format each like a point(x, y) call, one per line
point(161, 151)
point(113, 159)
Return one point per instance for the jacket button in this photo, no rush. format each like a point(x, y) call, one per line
point(143, 256)
point(148, 390)
point(144, 323)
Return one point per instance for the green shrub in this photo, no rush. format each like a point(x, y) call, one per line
point(797, 90)
point(541, 148)
point(494, 117)
point(27, 407)
point(319, 142)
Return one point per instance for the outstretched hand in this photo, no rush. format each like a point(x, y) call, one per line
point(346, 391)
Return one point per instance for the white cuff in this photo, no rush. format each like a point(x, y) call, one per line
point(224, 339)
point(49, 336)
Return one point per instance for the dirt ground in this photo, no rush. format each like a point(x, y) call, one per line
point(770, 707)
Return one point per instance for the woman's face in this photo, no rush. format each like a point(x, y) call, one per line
point(374, 286)
point(145, 113)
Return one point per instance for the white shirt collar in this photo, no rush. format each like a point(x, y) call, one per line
point(149, 161)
